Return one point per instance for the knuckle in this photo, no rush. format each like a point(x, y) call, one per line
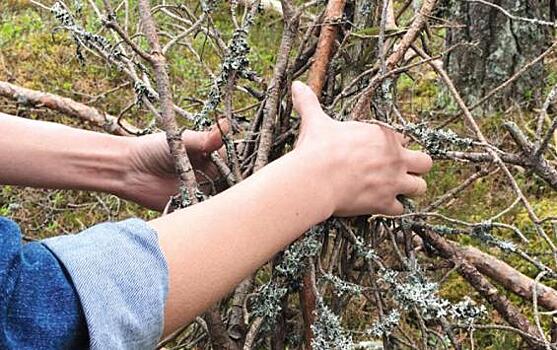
point(397, 162)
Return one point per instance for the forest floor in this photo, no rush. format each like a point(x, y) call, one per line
point(33, 56)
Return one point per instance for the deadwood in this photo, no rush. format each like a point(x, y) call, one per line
point(188, 189)
point(274, 94)
point(504, 307)
point(316, 80)
point(291, 19)
point(509, 278)
point(361, 109)
point(68, 107)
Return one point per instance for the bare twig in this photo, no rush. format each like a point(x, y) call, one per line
point(496, 158)
point(156, 58)
point(274, 91)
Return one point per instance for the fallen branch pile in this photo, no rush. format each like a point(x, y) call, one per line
point(386, 272)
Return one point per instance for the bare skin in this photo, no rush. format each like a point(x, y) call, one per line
point(336, 168)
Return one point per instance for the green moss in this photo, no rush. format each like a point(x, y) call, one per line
point(13, 28)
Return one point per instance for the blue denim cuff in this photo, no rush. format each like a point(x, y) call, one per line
point(121, 277)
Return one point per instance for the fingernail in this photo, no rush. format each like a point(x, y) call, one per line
point(297, 87)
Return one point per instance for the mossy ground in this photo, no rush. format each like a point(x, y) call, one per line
point(33, 56)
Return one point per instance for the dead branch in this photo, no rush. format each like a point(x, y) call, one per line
point(509, 277)
point(184, 169)
point(504, 307)
point(188, 182)
point(327, 37)
point(291, 23)
point(291, 20)
point(496, 158)
point(67, 107)
point(316, 80)
point(359, 253)
point(533, 159)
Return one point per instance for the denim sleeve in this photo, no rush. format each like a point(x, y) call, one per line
point(39, 308)
point(121, 277)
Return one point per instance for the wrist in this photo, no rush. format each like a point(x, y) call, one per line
point(315, 178)
point(120, 183)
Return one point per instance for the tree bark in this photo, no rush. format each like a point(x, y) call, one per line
point(502, 46)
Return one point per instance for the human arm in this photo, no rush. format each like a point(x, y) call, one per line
point(337, 168)
point(49, 155)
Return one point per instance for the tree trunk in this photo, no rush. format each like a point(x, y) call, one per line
point(497, 47)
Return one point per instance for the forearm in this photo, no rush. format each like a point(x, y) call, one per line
point(212, 246)
point(42, 154)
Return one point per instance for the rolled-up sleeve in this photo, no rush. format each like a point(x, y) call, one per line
point(39, 308)
point(121, 277)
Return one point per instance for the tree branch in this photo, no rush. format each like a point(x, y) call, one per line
point(361, 109)
point(188, 182)
point(504, 307)
point(67, 107)
point(316, 80)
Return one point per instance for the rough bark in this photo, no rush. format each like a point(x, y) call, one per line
point(502, 46)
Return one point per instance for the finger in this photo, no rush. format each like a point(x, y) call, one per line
point(418, 162)
point(205, 141)
point(194, 140)
point(413, 186)
point(223, 153)
point(306, 103)
point(213, 138)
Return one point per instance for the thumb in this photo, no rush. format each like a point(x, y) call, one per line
point(306, 103)
point(213, 137)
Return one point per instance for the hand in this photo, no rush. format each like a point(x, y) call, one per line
point(364, 166)
point(152, 180)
